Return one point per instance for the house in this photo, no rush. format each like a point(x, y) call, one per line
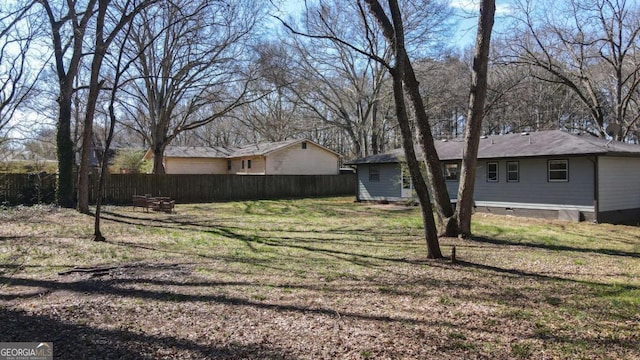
point(291, 157)
point(552, 174)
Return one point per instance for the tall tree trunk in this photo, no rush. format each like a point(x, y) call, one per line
point(87, 135)
point(436, 182)
point(375, 131)
point(394, 32)
point(437, 185)
point(102, 44)
point(64, 152)
point(66, 77)
point(158, 160)
point(97, 233)
point(477, 96)
point(95, 86)
point(419, 184)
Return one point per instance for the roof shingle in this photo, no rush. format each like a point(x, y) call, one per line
point(541, 143)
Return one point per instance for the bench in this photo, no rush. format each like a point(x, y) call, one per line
point(162, 204)
point(154, 203)
point(141, 201)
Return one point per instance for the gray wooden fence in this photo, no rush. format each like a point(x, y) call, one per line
point(119, 188)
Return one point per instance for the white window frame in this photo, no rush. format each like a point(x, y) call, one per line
point(496, 173)
point(565, 170)
point(446, 173)
point(517, 171)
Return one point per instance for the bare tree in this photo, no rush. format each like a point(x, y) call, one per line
point(17, 78)
point(402, 67)
point(192, 69)
point(394, 32)
point(346, 90)
point(68, 25)
point(337, 85)
point(436, 183)
point(444, 93)
point(473, 128)
point(590, 47)
point(277, 115)
point(518, 102)
point(111, 18)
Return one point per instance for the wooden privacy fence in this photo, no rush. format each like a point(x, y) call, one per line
point(27, 189)
point(120, 188)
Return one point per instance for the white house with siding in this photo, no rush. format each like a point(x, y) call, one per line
point(291, 157)
point(551, 174)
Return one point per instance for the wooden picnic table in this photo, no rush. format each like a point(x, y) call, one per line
point(158, 203)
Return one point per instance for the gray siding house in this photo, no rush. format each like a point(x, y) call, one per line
point(552, 174)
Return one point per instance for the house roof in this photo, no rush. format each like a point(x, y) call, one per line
point(261, 148)
point(258, 149)
point(196, 151)
point(536, 144)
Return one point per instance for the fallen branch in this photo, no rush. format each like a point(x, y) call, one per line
point(79, 269)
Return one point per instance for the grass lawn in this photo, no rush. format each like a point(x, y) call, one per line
point(315, 279)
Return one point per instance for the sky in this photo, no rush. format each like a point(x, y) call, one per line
point(467, 10)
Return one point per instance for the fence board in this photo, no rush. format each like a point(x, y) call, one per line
point(119, 188)
point(29, 189)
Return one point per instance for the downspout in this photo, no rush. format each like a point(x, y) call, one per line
point(265, 163)
point(357, 183)
point(596, 195)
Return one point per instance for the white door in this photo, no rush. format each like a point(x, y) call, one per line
point(407, 186)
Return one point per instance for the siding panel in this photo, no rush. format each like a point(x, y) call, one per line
point(533, 187)
point(388, 188)
point(618, 183)
point(175, 165)
point(294, 160)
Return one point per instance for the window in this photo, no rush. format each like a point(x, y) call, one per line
point(492, 172)
point(374, 173)
point(558, 170)
point(513, 171)
point(304, 145)
point(243, 164)
point(451, 171)
point(228, 164)
point(249, 164)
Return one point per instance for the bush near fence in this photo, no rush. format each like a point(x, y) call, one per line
point(119, 188)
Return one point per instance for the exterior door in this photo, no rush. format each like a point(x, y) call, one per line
point(407, 185)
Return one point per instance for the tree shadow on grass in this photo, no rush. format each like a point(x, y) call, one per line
point(190, 224)
point(251, 240)
point(6, 238)
point(601, 251)
point(110, 288)
point(372, 261)
point(76, 341)
point(533, 275)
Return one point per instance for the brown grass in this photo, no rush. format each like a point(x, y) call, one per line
point(322, 278)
